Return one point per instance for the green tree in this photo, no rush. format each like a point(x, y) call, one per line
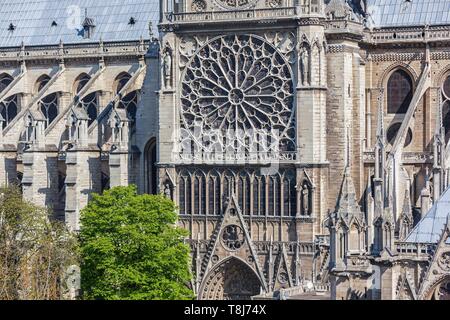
point(35, 251)
point(131, 248)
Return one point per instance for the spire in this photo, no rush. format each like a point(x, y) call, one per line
point(347, 202)
point(380, 124)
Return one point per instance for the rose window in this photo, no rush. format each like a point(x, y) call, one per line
point(233, 237)
point(237, 94)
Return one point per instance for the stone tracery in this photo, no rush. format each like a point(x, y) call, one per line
point(237, 88)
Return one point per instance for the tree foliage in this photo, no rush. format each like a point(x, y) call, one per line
point(131, 248)
point(35, 251)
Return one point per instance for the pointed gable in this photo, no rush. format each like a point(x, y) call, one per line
point(347, 206)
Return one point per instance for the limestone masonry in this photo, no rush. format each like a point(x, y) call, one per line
point(305, 142)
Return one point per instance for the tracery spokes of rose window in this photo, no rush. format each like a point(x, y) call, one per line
point(9, 107)
point(237, 96)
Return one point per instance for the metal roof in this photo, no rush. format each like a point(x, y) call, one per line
point(398, 13)
point(430, 228)
point(46, 22)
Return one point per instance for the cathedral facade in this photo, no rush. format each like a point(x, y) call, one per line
point(305, 142)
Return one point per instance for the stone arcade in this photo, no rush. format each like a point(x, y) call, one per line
point(304, 141)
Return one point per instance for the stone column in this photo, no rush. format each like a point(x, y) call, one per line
point(118, 168)
point(40, 176)
point(83, 178)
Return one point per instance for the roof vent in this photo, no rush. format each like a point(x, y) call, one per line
point(54, 23)
point(88, 26)
point(11, 27)
point(132, 21)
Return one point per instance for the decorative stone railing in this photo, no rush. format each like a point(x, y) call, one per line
point(74, 51)
point(404, 35)
point(407, 157)
point(343, 26)
point(241, 15)
point(236, 158)
point(416, 249)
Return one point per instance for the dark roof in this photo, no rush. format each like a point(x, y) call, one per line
point(33, 20)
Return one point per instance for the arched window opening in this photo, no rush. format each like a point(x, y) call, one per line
point(9, 107)
point(150, 165)
point(81, 82)
point(90, 105)
point(378, 243)
point(49, 108)
point(256, 194)
point(41, 82)
point(446, 108)
point(5, 81)
point(399, 92)
point(185, 195)
point(129, 103)
point(121, 80)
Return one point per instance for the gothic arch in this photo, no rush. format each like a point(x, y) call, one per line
point(80, 81)
point(150, 168)
point(231, 279)
point(41, 82)
point(10, 106)
point(120, 81)
point(400, 85)
point(440, 286)
point(382, 82)
point(439, 79)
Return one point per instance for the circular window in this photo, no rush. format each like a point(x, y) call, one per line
point(238, 84)
point(393, 131)
point(233, 237)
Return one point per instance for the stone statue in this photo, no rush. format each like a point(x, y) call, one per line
point(167, 191)
point(167, 66)
point(305, 200)
point(72, 277)
point(304, 65)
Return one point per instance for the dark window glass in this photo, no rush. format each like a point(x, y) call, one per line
point(446, 88)
point(49, 108)
point(393, 131)
point(182, 199)
point(399, 92)
point(446, 119)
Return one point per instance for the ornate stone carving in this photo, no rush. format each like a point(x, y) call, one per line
point(442, 292)
point(444, 261)
point(240, 85)
point(167, 66)
point(306, 199)
point(235, 4)
point(198, 5)
point(231, 280)
point(233, 237)
point(304, 64)
point(274, 3)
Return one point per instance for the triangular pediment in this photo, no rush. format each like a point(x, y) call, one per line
point(232, 239)
point(283, 275)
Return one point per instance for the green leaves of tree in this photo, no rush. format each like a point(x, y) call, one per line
point(131, 248)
